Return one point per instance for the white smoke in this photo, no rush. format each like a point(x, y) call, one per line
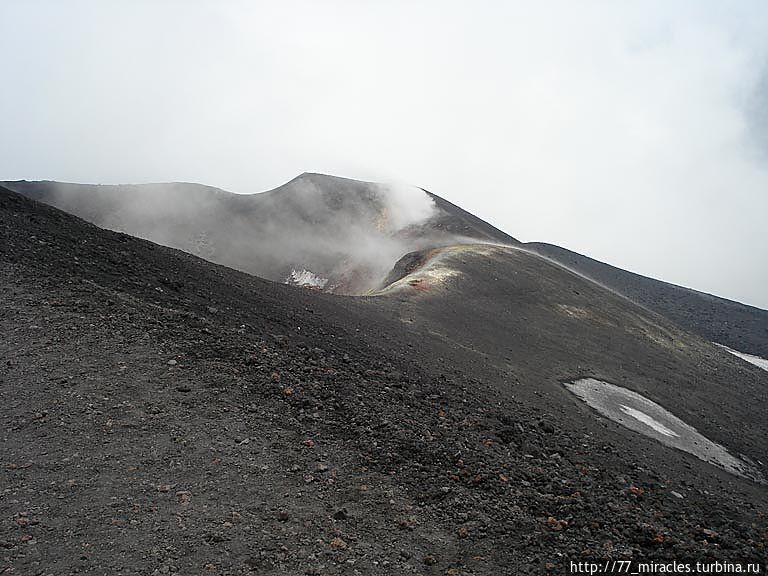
point(406, 205)
point(319, 231)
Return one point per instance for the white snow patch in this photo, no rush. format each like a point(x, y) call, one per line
point(306, 278)
point(648, 420)
point(653, 420)
point(752, 359)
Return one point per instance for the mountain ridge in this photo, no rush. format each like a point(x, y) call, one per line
point(174, 414)
point(718, 319)
point(229, 228)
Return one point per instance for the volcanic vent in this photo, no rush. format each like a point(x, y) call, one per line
point(322, 232)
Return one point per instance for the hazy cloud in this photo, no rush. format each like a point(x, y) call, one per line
point(624, 130)
point(326, 232)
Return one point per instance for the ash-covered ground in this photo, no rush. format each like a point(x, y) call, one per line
point(343, 236)
point(164, 414)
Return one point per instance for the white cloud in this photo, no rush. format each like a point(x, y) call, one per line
point(626, 131)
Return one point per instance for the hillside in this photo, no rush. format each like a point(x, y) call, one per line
point(343, 236)
point(337, 234)
point(741, 327)
point(167, 413)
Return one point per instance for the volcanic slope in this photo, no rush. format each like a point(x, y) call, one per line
point(331, 233)
point(165, 413)
point(341, 235)
point(524, 322)
point(741, 327)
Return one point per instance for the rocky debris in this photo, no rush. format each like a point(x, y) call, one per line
point(555, 524)
point(341, 514)
point(429, 452)
point(338, 544)
point(184, 497)
point(282, 515)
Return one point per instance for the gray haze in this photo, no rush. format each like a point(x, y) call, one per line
point(332, 233)
point(635, 133)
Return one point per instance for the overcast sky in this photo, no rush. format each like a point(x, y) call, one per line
point(633, 132)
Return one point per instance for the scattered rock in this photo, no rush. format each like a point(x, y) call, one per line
point(555, 524)
point(547, 427)
point(397, 434)
point(636, 490)
point(407, 523)
point(24, 520)
point(282, 516)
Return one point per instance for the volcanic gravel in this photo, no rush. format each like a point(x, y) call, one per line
point(162, 414)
